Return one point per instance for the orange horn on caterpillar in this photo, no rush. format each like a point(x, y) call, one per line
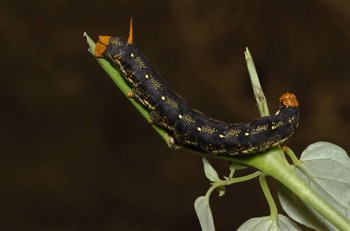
point(130, 38)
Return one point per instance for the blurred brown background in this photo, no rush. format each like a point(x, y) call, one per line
point(76, 155)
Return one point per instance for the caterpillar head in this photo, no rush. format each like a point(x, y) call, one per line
point(289, 100)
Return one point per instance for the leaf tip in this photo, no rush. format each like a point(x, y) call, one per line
point(90, 42)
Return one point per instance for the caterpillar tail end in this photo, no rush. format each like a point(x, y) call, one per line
point(101, 45)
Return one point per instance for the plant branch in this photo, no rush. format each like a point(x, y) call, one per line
point(271, 163)
point(257, 89)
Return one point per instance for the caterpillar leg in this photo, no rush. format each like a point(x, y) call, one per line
point(131, 94)
point(159, 119)
point(173, 144)
point(284, 147)
point(135, 93)
point(162, 121)
point(142, 96)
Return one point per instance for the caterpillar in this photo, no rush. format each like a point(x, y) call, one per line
point(187, 126)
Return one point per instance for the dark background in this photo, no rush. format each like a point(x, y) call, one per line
point(76, 155)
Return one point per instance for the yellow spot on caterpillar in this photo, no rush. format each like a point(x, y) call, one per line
point(180, 116)
point(260, 129)
point(163, 97)
point(221, 136)
point(172, 103)
point(199, 129)
point(132, 54)
point(246, 134)
point(140, 62)
point(234, 132)
point(147, 76)
point(208, 129)
point(188, 119)
point(276, 125)
point(156, 84)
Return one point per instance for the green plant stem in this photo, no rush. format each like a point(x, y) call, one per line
point(230, 181)
point(293, 157)
point(232, 169)
point(257, 89)
point(268, 196)
point(297, 163)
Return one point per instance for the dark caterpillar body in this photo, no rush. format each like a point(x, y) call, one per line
point(188, 126)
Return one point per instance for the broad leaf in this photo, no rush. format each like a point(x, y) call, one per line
point(267, 223)
point(328, 170)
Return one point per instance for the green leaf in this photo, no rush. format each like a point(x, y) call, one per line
point(326, 168)
point(209, 171)
point(204, 214)
point(267, 223)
